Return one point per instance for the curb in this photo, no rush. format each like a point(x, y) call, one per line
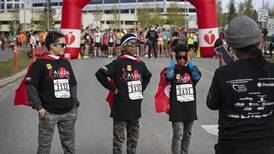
point(9, 80)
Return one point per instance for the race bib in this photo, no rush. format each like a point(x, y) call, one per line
point(135, 90)
point(61, 88)
point(111, 40)
point(185, 93)
point(97, 39)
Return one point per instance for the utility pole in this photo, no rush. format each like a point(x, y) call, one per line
point(119, 18)
point(48, 14)
point(185, 11)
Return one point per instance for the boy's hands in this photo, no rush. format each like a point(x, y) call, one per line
point(189, 55)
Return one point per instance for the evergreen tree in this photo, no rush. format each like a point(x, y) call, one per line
point(220, 14)
point(231, 10)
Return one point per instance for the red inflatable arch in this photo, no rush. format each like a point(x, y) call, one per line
point(207, 24)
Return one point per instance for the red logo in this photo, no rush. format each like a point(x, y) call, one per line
point(186, 78)
point(209, 37)
point(62, 72)
point(70, 38)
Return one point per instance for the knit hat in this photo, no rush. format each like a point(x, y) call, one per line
point(242, 31)
point(127, 38)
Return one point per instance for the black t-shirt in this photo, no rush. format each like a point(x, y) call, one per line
point(243, 94)
point(130, 78)
point(53, 79)
point(182, 96)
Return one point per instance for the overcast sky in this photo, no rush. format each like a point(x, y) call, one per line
point(256, 3)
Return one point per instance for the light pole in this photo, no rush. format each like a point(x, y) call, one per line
point(185, 16)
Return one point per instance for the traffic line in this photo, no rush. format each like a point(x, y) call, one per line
point(211, 129)
point(207, 71)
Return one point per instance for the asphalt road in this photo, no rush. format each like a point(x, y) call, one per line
point(19, 125)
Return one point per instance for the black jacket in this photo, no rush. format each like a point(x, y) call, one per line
point(183, 95)
point(243, 94)
point(131, 79)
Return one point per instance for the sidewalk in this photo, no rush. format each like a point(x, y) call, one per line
point(5, 55)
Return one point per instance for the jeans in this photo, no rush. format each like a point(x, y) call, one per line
point(132, 131)
point(181, 137)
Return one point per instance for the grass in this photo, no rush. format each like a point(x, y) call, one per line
point(6, 68)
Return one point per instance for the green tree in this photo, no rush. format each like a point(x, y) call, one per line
point(231, 10)
point(143, 16)
point(98, 14)
point(115, 17)
point(13, 26)
point(241, 8)
point(249, 10)
point(220, 14)
point(174, 18)
point(156, 17)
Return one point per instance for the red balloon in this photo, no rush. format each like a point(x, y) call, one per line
point(207, 24)
point(71, 25)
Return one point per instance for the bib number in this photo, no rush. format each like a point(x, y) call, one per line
point(97, 39)
point(135, 90)
point(185, 93)
point(61, 88)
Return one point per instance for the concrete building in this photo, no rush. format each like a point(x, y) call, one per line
point(99, 13)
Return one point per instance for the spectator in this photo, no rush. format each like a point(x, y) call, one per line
point(243, 94)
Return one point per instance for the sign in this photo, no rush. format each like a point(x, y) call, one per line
point(72, 37)
point(263, 15)
point(208, 36)
point(270, 23)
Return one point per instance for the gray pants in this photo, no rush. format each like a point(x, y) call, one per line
point(132, 128)
point(65, 123)
point(181, 137)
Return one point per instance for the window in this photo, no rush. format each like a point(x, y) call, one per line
point(96, 2)
point(17, 6)
point(9, 6)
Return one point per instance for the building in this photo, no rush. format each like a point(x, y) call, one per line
point(99, 13)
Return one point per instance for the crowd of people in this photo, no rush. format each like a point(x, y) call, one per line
point(152, 41)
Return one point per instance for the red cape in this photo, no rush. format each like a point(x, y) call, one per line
point(111, 94)
point(161, 98)
point(21, 93)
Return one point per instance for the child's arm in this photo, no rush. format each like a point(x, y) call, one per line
point(195, 72)
point(103, 73)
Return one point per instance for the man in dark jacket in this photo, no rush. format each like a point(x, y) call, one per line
point(183, 78)
point(129, 78)
point(152, 38)
point(243, 94)
point(52, 91)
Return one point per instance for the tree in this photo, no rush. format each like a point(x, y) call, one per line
point(220, 14)
point(98, 14)
point(231, 10)
point(115, 17)
point(249, 10)
point(174, 18)
point(156, 17)
point(241, 8)
point(143, 16)
point(13, 26)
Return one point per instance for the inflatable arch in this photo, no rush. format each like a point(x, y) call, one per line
point(206, 15)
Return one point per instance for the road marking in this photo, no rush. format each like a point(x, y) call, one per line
point(207, 71)
point(211, 129)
